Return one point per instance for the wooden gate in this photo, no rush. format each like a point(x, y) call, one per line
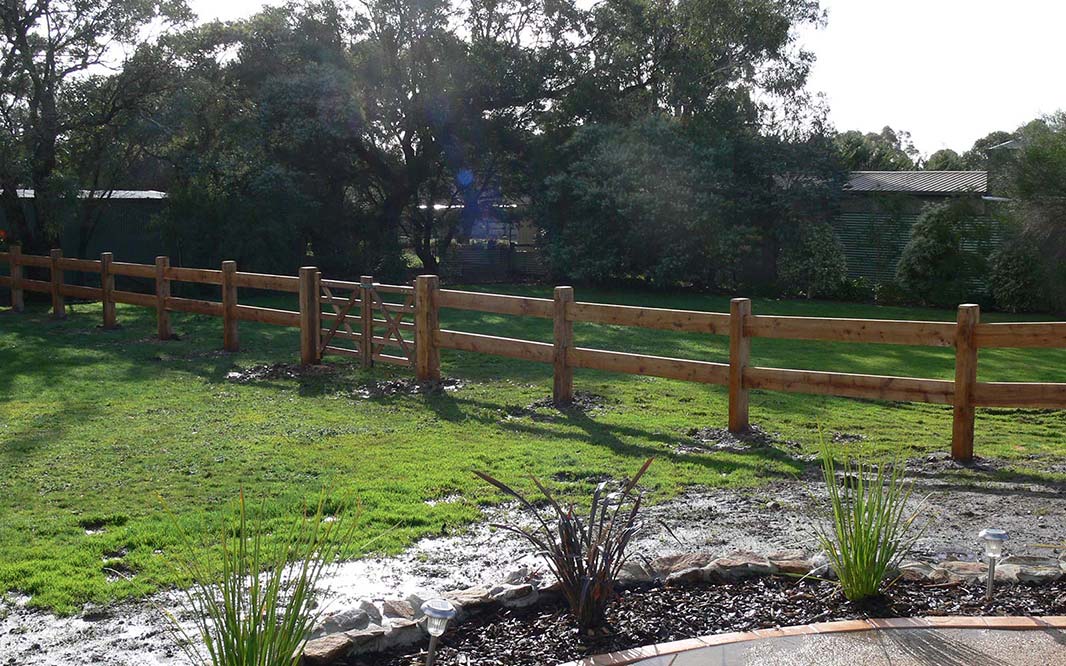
point(370, 321)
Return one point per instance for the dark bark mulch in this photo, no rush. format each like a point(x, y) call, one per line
point(545, 635)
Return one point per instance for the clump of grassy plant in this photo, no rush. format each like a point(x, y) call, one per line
point(257, 606)
point(870, 529)
point(584, 552)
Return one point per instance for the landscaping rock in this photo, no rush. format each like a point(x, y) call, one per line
point(415, 601)
point(371, 611)
point(635, 572)
point(470, 600)
point(914, 570)
point(398, 608)
point(402, 632)
point(326, 650)
point(793, 567)
point(742, 564)
point(515, 596)
point(684, 577)
point(1033, 569)
point(354, 618)
point(662, 567)
point(370, 639)
point(964, 572)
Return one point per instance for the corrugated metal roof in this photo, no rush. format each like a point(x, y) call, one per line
point(919, 182)
point(114, 194)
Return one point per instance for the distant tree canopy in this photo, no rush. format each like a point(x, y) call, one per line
point(65, 121)
point(945, 159)
point(887, 150)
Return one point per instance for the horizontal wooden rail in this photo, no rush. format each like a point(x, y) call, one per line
point(495, 303)
point(82, 265)
point(267, 282)
point(268, 316)
point(392, 360)
point(135, 298)
point(198, 275)
point(340, 351)
point(526, 350)
point(36, 285)
point(1026, 334)
point(656, 366)
point(394, 288)
point(195, 306)
point(133, 270)
point(872, 387)
point(341, 284)
point(712, 323)
point(35, 261)
point(1020, 394)
point(78, 291)
point(886, 331)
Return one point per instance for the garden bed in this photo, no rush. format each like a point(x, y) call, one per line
point(654, 614)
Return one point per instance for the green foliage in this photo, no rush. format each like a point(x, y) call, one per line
point(888, 150)
point(945, 159)
point(670, 204)
point(258, 607)
point(584, 553)
point(606, 218)
point(936, 267)
point(814, 265)
point(871, 529)
point(1017, 277)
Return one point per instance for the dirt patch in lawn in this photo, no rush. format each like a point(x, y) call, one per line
point(704, 440)
point(272, 371)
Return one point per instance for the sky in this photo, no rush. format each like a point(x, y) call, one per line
point(947, 71)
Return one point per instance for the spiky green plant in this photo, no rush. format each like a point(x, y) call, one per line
point(870, 529)
point(257, 606)
point(585, 553)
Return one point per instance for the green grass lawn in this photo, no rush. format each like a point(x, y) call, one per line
point(96, 426)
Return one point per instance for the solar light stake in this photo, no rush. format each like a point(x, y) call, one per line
point(994, 539)
point(438, 612)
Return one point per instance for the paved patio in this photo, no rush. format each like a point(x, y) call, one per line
point(898, 647)
point(1009, 641)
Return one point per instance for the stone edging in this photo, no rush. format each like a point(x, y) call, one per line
point(625, 657)
point(376, 626)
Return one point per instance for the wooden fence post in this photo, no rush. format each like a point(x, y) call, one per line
point(107, 288)
point(563, 376)
point(366, 320)
point(739, 352)
point(162, 293)
point(310, 316)
point(59, 307)
point(230, 335)
point(15, 258)
point(965, 377)
point(427, 353)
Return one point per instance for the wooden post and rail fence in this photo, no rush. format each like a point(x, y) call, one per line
point(355, 319)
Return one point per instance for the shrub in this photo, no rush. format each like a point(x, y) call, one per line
point(813, 264)
point(1017, 277)
point(935, 268)
point(889, 293)
point(870, 530)
point(258, 608)
point(585, 553)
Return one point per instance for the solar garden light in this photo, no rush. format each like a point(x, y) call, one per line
point(993, 539)
point(438, 612)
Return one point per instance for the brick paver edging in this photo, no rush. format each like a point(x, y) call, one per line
point(624, 657)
